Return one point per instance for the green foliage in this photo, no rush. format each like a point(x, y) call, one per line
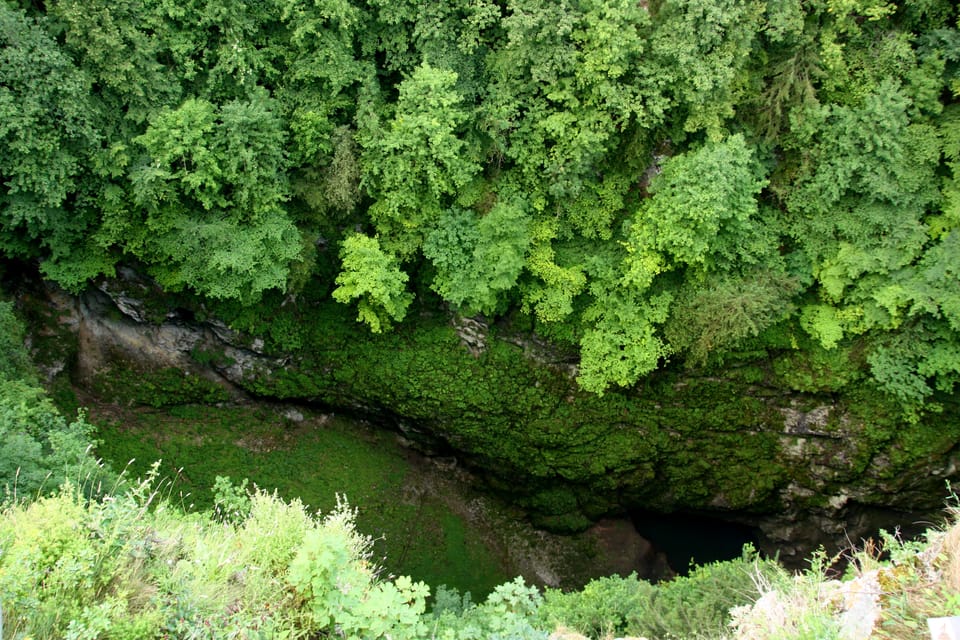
point(702, 48)
point(421, 537)
point(875, 168)
point(47, 135)
point(212, 185)
point(317, 91)
point(39, 448)
point(120, 46)
point(601, 609)
point(332, 574)
point(333, 191)
point(621, 170)
point(231, 502)
point(703, 211)
point(47, 118)
point(161, 388)
point(702, 218)
point(557, 283)
point(692, 606)
point(375, 278)
point(565, 83)
point(146, 569)
point(416, 158)
point(508, 612)
point(720, 313)
point(16, 364)
point(478, 260)
point(912, 363)
point(862, 221)
point(622, 345)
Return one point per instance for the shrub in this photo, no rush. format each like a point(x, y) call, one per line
point(602, 608)
point(507, 613)
point(39, 449)
point(338, 589)
point(692, 606)
point(16, 362)
point(132, 566)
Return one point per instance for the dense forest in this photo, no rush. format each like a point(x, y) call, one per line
point(649, 182)
point(663, 192)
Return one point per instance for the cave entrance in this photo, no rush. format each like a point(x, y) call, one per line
point(686, 537)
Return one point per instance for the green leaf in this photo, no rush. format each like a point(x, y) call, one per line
point(374, 279)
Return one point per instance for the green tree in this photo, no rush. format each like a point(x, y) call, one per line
point(701, 224)
point(121, 45)
point(48, 134)
point(857, 210)
point(622, 343)
point(318, 91)
point(699, 53)
point(416, 160)
point(717, 314)
point(478, 258)
point(39, 449)
point(211, 186)
point(374, 278)
point(555, 282)
point(565, 89)
point(703, 212)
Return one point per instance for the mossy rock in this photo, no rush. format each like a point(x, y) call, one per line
point(164, 387)
point(679, 440)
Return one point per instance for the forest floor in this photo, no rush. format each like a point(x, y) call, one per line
point(429, 517)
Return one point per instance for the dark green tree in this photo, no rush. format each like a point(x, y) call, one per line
point(48, 137)
point(211, 185)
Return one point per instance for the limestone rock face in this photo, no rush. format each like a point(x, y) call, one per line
point(804, 469)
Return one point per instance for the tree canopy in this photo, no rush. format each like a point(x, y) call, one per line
point(665, 180)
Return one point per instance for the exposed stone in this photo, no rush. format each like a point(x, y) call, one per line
point(472, 332)
point(860, 602)
point(243, 364)
point(625, 551)
point(545, 353)
point(104, 340)
point(855, 605)
point(812, 422)
point(293, 414)
point(566, 634)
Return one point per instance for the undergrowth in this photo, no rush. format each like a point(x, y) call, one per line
point(131, 564)
point(889, 589)
point(313, 460)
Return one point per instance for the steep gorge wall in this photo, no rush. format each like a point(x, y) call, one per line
point(805, 469)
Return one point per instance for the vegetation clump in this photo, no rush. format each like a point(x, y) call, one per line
point(38, 446)
point(130, 564)
point(143, 568)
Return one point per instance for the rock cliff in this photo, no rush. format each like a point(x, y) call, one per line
point(804, 469)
